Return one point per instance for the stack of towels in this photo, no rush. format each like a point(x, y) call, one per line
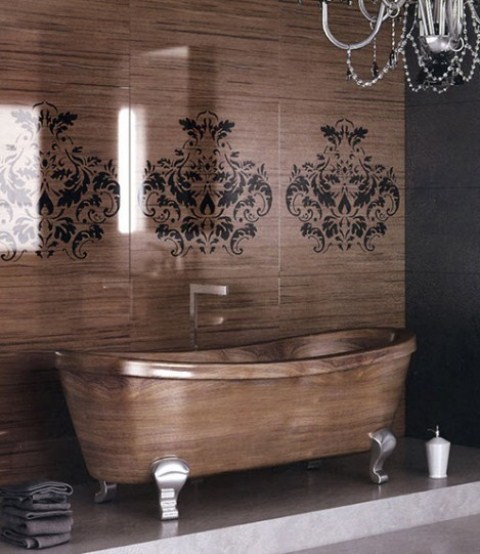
point(36, 514)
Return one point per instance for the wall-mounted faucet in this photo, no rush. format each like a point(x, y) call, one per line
point(195, 290)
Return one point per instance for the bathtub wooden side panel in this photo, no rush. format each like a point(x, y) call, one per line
point(34, 421)
point(124, 424)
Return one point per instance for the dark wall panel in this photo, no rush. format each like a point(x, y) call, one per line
point(443, 262)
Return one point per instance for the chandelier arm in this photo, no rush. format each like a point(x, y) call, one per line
point(473, 11)
point(454, 11)
point(391, 7)
point(356, 45)
point(366, 13)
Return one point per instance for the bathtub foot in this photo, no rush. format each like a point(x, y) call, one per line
point(383, 444)
point(107, 492)
point(170, 475)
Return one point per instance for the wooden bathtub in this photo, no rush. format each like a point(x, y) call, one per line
point(204, 412)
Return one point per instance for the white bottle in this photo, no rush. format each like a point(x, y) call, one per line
point(438, 450)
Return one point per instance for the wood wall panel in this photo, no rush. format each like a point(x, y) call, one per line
point(266, 71)
point(340, 300)
point(85, 42)
point(157, 274)
point(337, 287)
point(34, 420)
point(217, 48)
point(64, 297)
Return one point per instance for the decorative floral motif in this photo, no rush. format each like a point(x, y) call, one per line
point(53, 196)
point(343, 199)
point(206, 197)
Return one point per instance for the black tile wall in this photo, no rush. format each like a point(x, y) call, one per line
point(443, 262)
point(443, 229)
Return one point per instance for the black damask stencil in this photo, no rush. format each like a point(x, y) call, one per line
point(53, 195)
point(205, 197)
point(343, 198)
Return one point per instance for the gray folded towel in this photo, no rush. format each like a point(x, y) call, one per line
point(42, 541)
point(38, 491)
point(33, 506)
point(35, 514)
point(32, 527)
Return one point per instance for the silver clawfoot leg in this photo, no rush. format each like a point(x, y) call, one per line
point(383, 444)
point(170, 475)
point(107, 492)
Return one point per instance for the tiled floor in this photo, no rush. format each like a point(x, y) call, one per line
point(292, 509)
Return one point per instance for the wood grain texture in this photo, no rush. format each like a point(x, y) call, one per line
point(220, 49)
point(33, 419)
point(60, 298)
point(85, 42)
point(231, 415)
point(337, 288)
point(265, 66)
point(251, 309)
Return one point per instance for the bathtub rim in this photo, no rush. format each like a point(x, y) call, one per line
point(125, 364)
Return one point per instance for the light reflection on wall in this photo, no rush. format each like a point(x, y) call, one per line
point(132, 153)
point(20, 179)
point(173, 52)
point(131, 148)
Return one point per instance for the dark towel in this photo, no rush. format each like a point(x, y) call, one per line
point(37, 491)
point(42, 541)
point(32, 527)
point(28, 514)
point(32, 506)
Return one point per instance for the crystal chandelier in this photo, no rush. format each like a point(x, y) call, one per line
point(439, 41)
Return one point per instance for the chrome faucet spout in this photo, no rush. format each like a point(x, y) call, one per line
point(195, 290)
